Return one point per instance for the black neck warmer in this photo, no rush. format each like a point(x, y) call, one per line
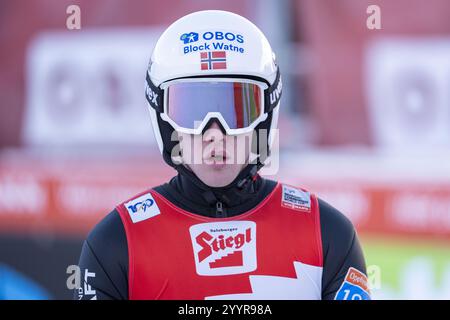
point(189, 193)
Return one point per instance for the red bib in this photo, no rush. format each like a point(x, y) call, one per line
point(273, 251)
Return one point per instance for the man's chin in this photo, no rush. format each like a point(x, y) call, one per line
point(218, 175)
point(218, 166)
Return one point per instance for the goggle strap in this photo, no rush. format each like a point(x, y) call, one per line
point(273, 94)
point(154, 95)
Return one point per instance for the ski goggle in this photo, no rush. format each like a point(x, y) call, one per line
point(189, 104)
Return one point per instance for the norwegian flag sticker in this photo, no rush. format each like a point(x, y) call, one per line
point(213, 60)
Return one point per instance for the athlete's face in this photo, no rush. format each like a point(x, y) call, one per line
point(215, 158)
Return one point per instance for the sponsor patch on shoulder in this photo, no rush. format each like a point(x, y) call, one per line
point(142, 208)
point(296, 199)
point(354, 287)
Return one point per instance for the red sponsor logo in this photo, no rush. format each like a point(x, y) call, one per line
point(212, 244)
point(357, 278)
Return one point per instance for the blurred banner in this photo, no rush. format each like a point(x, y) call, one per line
point(407, 86)
point(364, 124)
point(79, 93)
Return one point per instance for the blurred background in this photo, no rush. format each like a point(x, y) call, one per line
point(365, 124)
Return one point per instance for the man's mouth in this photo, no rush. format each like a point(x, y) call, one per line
point(220, 157)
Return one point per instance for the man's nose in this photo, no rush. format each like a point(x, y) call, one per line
point(214, 125)
point(213, 132)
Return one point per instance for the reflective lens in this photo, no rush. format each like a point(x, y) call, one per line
point(239, 103)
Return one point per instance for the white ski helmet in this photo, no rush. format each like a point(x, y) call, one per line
point(199, 51)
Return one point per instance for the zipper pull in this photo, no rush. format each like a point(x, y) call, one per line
point(219, 210)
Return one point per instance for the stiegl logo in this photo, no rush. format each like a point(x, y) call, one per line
point(210, 244)
point(222, 248)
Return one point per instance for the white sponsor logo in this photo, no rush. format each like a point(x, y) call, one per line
point(142, 208)
point(222, 248)
point(295, 199)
